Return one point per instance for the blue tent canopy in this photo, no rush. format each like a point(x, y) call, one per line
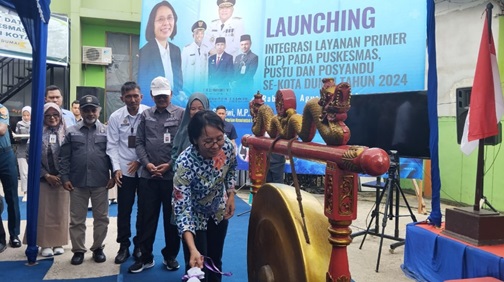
point(34, 15)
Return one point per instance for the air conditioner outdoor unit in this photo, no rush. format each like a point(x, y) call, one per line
point(96, 55)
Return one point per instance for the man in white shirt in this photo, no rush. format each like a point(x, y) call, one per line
point(53, 94)
point(226, 26)
point(121, 138)
point(195, 59)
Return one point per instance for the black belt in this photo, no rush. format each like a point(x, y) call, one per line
point(7, 149)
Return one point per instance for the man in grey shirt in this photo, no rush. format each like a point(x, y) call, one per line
point(86, 172)
point(156, 130)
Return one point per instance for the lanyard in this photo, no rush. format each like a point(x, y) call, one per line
point(132, 124)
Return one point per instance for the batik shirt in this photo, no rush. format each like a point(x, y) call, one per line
point(201, 187)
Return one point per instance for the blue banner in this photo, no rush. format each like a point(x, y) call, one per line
point(376, 46)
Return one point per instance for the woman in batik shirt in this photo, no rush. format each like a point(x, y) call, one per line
point(203, 194)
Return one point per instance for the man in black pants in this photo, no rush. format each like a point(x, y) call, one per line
point(8, 177)
point(3, 244)
point(276, 169)
point(121, 140)
point(156, 130)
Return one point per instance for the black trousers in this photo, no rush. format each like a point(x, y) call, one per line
point(125, 200)
point(9, 179)
point(210, 243)
point(276, 169)
point(152, 193)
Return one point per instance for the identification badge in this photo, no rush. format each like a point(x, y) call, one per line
point(52, 139)
point(242, 69)
point(131, 141)
point(167, 138)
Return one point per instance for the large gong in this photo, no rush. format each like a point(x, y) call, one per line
point(277, 248)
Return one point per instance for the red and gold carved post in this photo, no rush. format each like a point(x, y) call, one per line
point(340, 203)
point(341, 181)
point(340, 207)
point(257, 168)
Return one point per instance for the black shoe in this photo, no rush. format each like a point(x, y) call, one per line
point(99, 256)
point(139, 266)
point(171, 264)
point(137, 253)
point(3, 246)
point(77, 258)
point(15, 242)
point(122, 255)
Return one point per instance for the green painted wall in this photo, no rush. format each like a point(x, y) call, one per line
point(60, 6)
point(123, 10)
point(458, 171)
point(90, 20)
point(96, 35)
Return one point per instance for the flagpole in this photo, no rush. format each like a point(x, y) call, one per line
point(479, 175)
point(478, 195)
point(486, 109)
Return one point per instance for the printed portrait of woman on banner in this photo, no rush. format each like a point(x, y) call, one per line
point(160, 57)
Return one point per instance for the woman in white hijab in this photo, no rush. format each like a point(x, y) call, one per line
point(23, 127)
point(54, 201)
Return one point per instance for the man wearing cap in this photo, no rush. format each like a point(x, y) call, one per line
point(245, 64)
point(156, 131)
point(226, 26)
point(8, 177)
point(86, 172)
point(195, 59)
point(220, 66)
point(121, 142)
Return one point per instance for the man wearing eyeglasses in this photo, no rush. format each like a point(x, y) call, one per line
point(86, 172)
point(155, 134)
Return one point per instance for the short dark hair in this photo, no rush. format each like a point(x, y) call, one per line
point(149, 30)
point(52, 88)
point(220, 107)
point(76, 102)
point(128, 86)
point(199, 121)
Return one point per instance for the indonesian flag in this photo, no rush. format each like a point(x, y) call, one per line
point(487, 106)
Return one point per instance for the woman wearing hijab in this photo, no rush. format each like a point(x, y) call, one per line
point(54, 201)
point(23, 127)
point(197, 102)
